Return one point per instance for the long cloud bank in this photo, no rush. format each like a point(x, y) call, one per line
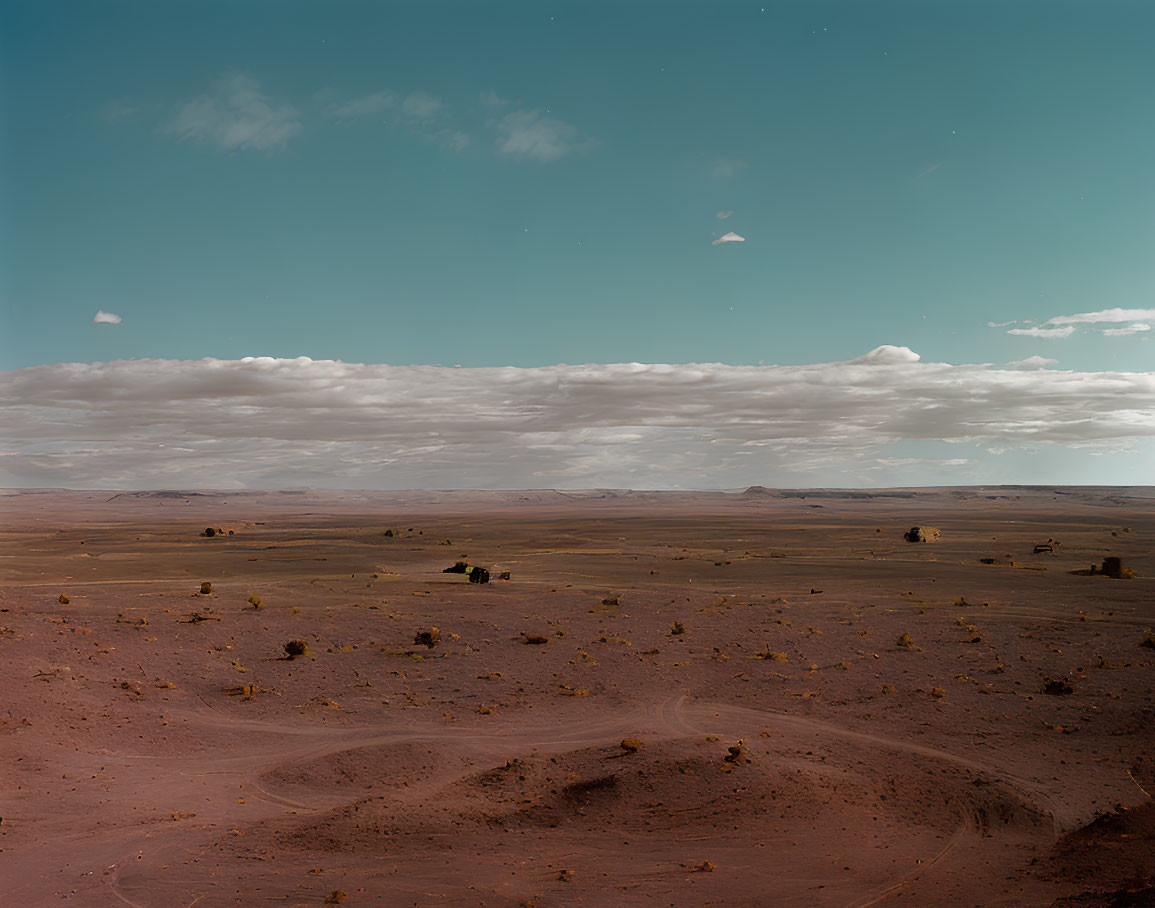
point(264, 422)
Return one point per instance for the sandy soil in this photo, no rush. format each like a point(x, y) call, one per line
point(151, 758)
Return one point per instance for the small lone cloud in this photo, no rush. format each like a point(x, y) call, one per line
point(106, 318)
point(1002, 324)
point(1048, 333)
point(729, 238)
point(722, 215)
point(1137, 328)
point(724, 168)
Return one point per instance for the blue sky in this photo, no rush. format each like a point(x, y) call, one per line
point(966, 162)
point(528, 184)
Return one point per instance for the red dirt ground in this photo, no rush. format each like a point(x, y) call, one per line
point(489, 771)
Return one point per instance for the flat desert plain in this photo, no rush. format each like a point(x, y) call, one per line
point(747, 698)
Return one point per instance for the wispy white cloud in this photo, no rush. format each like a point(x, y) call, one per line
point(1002, 324)
point(422, 107)
point(724, 168)
point(722, 215)
point(106, 318)
point(530, 134)
point(1048, 333)
point(1137, 328)
point(363, 106)
point(729, 238)
point(275, 422)
point(1104, 315)
point(120, 111)
point(235, 115)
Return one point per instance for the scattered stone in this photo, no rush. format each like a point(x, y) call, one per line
point(922, 534)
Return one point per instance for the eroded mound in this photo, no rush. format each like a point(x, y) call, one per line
point(380, 766)
point(1114, 855)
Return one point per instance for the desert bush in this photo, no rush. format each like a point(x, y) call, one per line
point(678, 628)
point(737, 754)
point(255, 602)
point(295, 648)
point(63, 600)
point(206, 588)
point(429, 638)
point(630, 745)
point(704, 867)
point(904, 641)
point(1057, 687)
point(771, 656)
point(336, 897)
point(459, 567)
point(1149, 640)
point(210, 532)
point(478, 575)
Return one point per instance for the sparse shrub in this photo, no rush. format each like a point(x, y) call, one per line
point(771, 656)
point(206, 588)
point(1057, 687)
point(63, 600)
point(630, 745)
point(1149, 640)
point(478, 575)
point(459, 567)
point(904, 641)
point(737, 754)
point(210, 532)
point(937, 693)
point(704, 867)
point(565, 875)
point(336, 897)
point(295, 648)
point(389, 533)
point(429, 638)
point(255, 602)
point(677, 629)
